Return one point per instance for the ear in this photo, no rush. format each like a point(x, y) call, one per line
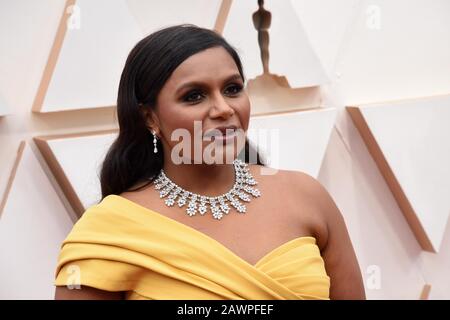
point(151, 118)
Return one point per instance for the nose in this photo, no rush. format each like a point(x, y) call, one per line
point(220, 108)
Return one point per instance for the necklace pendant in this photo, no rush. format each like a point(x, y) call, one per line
point(164, 192)
point(225, 208)
point(202, 209)
point(182, 201)
point(244, 196)
point(238, 206)
point(191, 210)
point(192, 206)
point(241, 208)
point(171, 200)
point(217, 214)
point(253, 191)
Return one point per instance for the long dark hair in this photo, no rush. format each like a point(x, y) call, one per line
point(130, 158)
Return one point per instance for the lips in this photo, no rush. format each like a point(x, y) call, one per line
point(221, 131)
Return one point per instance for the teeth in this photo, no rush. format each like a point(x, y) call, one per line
point(226, 132)
point(230, 131)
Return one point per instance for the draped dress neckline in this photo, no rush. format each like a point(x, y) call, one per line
point(283, 247)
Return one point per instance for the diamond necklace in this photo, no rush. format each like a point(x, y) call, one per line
point(241, 191)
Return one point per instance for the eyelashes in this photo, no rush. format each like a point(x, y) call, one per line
point(195, 96)
point(237, 88)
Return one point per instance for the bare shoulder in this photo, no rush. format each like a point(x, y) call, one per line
point(318, 194)
point(304, 193)
point(312, 192)
point(293, 177)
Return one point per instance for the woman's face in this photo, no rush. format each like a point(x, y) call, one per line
point(204, 92)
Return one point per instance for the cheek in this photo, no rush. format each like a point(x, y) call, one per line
point(243, 112)
point(178, 117)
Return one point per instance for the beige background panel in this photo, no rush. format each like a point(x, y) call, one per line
point(222, 15)
point(75, 160)
point(97, 45)
point(90, 42)
point(387, 251)
point(409, 142)
point(425, 292)
point(435, 268)
point(4, 110)
point(33, 225)
point(24, 56)
point(269, 95)
point(53, 57)
point(329, 25)
point(153, 14)
point(385, 54)
point(12, 175)
point(293, 140)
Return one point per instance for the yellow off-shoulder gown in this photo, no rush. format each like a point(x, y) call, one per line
point(119, 245)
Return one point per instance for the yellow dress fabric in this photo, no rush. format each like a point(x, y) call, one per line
point(119, 245)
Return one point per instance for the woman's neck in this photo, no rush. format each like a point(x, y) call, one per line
point(203, 179)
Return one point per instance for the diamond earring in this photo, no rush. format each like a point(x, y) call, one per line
point(155, 149)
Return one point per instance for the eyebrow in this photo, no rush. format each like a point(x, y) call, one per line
point(200, 83)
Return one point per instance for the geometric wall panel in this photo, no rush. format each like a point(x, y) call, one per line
point(152, 14)
point(328, 38)
point(93, 41)
point(94, 44)
point(33, 224)
point(269, 94)
point(295, 140)
point(4, 110)
point(75, 161)
point(435, 268)
point(409, 142)
point(376, 45)
point(12, 175)
point(387, 250)
point(289, 56)
point(424, 295)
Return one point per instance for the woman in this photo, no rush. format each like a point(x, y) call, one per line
point(177, 221)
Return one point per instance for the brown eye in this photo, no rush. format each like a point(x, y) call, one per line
point(234, 89)
point(193, 96)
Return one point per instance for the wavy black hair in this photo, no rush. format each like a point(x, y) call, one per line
point(130, 158)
